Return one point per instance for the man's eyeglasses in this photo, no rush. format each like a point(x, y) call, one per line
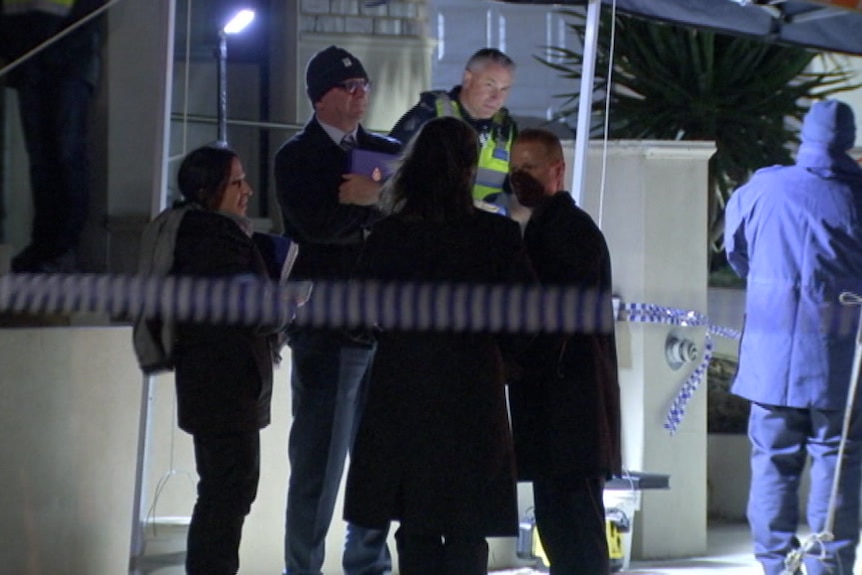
point(351, 86)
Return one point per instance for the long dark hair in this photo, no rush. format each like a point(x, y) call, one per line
point(204, 175)
point(435, 179)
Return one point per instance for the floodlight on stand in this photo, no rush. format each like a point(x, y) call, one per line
point(234, 26)
point(238, 23)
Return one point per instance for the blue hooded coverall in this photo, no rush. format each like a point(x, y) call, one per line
point(795, 234)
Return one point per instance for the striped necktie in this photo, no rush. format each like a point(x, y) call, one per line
point(348, 142)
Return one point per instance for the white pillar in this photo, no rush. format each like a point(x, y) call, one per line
point(69, 406)
point(138, 70)
point(653, 214)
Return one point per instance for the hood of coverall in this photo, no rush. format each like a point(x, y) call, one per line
point(830, 124)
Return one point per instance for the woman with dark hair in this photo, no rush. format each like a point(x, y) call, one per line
point(431, 175)
point(433, 449)
point(223, 372)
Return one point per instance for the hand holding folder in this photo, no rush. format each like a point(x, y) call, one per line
point(279, 254)
point(375, 165)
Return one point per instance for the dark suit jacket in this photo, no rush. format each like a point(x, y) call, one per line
point(308, 171)
point(566, 403)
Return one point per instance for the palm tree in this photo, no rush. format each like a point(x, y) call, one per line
point(676, 83)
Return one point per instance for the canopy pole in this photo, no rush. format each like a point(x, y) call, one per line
point(585, 98)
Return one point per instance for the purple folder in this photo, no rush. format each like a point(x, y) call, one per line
point(376, 165)
point(278, 253)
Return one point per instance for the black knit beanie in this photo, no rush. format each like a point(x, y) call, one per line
point(329, 67)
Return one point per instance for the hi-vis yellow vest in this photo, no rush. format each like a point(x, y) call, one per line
point(494, 155)
point(56, 7)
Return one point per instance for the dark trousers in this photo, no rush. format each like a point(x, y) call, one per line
point(229, 469)
point(570, 516)
point(54, 118)
point(782, 438)
point(425, 554)
point(328, 384)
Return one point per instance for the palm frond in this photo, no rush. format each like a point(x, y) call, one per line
point(669, 82)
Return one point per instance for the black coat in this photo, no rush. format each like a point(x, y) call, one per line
point(223, 372)
point(565, 404)
point(308, 172)
point(434, 448)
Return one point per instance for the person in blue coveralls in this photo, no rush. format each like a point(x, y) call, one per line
point(794, 233)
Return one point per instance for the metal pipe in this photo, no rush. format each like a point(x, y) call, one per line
point(585, 99)
point(221, 57)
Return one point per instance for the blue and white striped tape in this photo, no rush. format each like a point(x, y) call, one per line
point(409, 306)
point(652, 313)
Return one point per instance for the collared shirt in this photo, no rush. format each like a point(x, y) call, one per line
point(336, 134)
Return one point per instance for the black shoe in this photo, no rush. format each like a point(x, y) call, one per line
point(65, 263)
point(36, 261)
point(27, 259)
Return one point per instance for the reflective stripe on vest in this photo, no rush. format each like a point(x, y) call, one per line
point(493, 157)
point(56, 7)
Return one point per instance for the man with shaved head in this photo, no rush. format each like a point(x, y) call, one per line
point(479, 100)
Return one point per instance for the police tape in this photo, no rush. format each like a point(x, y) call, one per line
point(651, 313)
point(405, 306)
point(123, 298)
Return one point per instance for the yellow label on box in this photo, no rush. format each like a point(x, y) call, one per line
point(615, 543)
point(615, 540)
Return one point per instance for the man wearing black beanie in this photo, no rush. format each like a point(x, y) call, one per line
point(328, 211)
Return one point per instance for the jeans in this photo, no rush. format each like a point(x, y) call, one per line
point(328, 383)
point(229, 469)
point(781, 437)
point(54, 119)
point(570, 517)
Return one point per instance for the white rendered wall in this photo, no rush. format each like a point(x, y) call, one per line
point(70, 405)
point(137, 88)
point(653, 214)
